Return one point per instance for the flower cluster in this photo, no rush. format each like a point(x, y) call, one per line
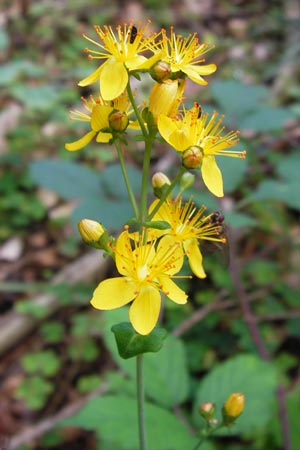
point(149, 257)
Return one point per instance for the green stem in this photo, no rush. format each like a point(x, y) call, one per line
point(126, 179)
point(136, 110)
point(140, 400)
point(206, 434)
point(145, 179)
point(167, 192)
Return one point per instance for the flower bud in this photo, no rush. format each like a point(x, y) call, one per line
point(192, 157)
point(160, 182)
point(160, 71)
point(90, 231)
point(118, 121)
point(207, 410)
point(186, 181)
point(165, 98)
point(233, 408)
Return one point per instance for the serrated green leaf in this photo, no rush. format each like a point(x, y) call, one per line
point(115, 420)
point(249, 375)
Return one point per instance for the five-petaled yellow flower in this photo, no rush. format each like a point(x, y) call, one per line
point(98, 115)
point(203, 136)
point(188, 225)
point(121, 53)
point(146, 268)
point(184, 55)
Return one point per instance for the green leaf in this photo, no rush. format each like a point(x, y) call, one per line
point(288, 168)
point(166, 375)
point(266, 119)
point(45, 362)
point(286, 192)
point(34, 391)
point(226, 94)
point(233, 171)
point(115, 420)
point(239, 220)
point(37, 97)
point(130, 343)
point(66, 178)
point(249, 375)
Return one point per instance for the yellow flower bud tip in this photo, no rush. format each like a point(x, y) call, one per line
point(233, 407)
point(90, 230)
point(159, 180)
point(118, 121)
point(192, 157)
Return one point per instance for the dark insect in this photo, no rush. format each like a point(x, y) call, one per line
point(217, 219)
point(133, 34)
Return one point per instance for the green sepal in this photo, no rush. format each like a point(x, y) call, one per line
point(158, 225)
point(130, 343)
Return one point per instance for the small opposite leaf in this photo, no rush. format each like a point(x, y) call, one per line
point(158, 225)
point(130, 343)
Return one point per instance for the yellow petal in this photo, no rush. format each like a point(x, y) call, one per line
point(80, 143)
point(113, 80)
point(103, 137)
point(180, 140)
point(136, 62)
point(166, 126)
point(195, 72)
point(168, 246)
point(172, 291)
point(113, 293)
point(212, 175)
point(99, 118)
point(144, 311)
point(194, 255)
point(124, 258)
point(91, 78)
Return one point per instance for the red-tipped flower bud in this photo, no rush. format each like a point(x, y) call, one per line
point(207, 410)
point(160, 71)
point(118, 121)
point(192, 157)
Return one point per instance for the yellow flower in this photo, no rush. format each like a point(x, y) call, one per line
point(166, 97)
point(184, 55)
point(121, 53)
point(98, 115)
point(147, 269)
point(195, 129)
point(187, 226)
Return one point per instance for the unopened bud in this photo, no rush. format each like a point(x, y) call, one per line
point(207, 410)
point(233, 408)
point(186, 181)
point(192, 157)
point(160, 182)
point(90, 231)
point(160, 71)
point(118, 121)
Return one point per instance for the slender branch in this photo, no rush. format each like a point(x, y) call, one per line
point(140, 400)
point(126, 179)
point(252, 326)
